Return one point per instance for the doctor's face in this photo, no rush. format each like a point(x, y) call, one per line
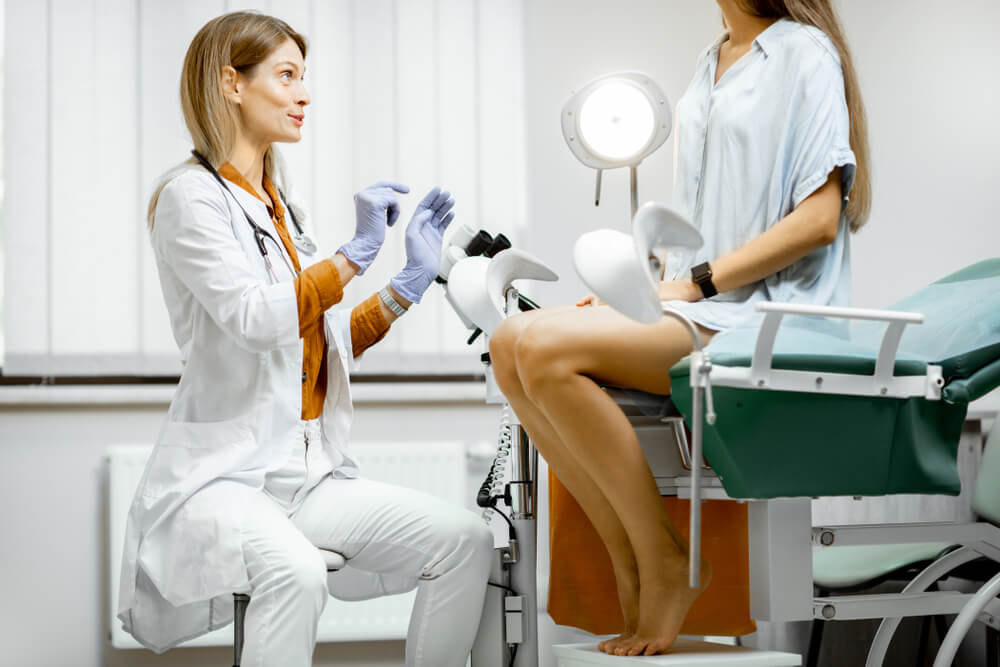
point(273, 96)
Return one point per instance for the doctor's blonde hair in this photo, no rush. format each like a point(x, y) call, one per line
point(241, 40)
point(821, 14)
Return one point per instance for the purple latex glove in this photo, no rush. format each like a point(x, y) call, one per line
point(376, 207)
point(423, 245)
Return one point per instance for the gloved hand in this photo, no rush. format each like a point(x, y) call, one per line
point(375, 208)
point(423, 245)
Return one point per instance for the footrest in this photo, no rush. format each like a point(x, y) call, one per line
point(684, 653)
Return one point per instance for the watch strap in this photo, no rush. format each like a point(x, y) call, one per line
point(702, 276)
point(391, 302)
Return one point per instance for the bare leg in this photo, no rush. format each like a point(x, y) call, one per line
point(566, 468)
point(559, 358)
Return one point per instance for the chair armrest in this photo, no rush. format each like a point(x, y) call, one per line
point(836, 311)
point(775, 312)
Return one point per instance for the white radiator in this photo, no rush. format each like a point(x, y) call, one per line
point(437, 468)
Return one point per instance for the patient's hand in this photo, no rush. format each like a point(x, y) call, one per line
point(679, 290)
point(589, 300)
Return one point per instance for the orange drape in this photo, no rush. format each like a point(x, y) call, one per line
point(582, 589)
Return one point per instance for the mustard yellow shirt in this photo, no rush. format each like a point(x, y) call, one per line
point(317, 288)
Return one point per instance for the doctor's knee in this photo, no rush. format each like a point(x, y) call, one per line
point(468, 542)
point(305, 577)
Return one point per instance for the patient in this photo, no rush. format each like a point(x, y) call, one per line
point(771, 139)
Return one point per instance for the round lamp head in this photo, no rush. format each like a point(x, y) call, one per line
point(616, 120)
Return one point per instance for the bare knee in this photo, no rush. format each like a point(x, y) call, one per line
point(542, 359)
point(503, 344)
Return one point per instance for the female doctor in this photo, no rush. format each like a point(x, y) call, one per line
point(250, 473)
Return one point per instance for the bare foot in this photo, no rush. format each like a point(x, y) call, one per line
point(628, 596)
point(663, 604)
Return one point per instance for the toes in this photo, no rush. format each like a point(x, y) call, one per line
point(636, 648)
point(656, 648)
point(609, 645)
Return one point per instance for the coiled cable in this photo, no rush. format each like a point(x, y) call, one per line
point(492, 487)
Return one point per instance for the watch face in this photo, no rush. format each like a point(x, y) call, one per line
point(701, 272)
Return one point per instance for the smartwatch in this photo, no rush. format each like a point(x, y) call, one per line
point(702, 276)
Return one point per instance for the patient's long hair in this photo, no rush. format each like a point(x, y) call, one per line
point(821, 14)
point(241, 40)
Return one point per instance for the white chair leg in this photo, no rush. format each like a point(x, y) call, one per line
point(968, 616)
point(933, 572)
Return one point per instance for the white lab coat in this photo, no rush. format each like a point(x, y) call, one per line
point(234, 415)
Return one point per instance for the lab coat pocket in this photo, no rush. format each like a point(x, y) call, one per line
point(188, 455)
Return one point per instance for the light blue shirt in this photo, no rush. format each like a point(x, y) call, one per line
point(749, 149)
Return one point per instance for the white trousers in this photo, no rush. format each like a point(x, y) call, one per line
point(442, 550)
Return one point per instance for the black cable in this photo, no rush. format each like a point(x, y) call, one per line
point(511, 533)
point(506, 588)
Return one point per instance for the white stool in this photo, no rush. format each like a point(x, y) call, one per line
point(334, 562)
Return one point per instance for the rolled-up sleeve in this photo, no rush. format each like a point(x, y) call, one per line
point(368, 325)
point(317, 288)
point(821, 140)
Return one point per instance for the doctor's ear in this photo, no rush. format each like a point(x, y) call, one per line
point(230, 84)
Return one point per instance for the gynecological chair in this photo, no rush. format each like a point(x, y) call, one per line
point(808, 401)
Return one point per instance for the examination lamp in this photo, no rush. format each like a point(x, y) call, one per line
point(615, 121)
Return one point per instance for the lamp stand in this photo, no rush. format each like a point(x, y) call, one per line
point(634, 188)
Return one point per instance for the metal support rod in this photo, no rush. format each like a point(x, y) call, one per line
point(240, 602)
point(968, 616)
point(523, 463)
point(634, 188)
point(688, 324)
point(694, 543)
point(697, 396)
point(936, 570)
point(523, 580)
point(524, 469)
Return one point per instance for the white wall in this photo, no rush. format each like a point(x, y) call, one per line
point(929, 75)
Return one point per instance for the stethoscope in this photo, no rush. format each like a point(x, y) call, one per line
point(299, 238)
